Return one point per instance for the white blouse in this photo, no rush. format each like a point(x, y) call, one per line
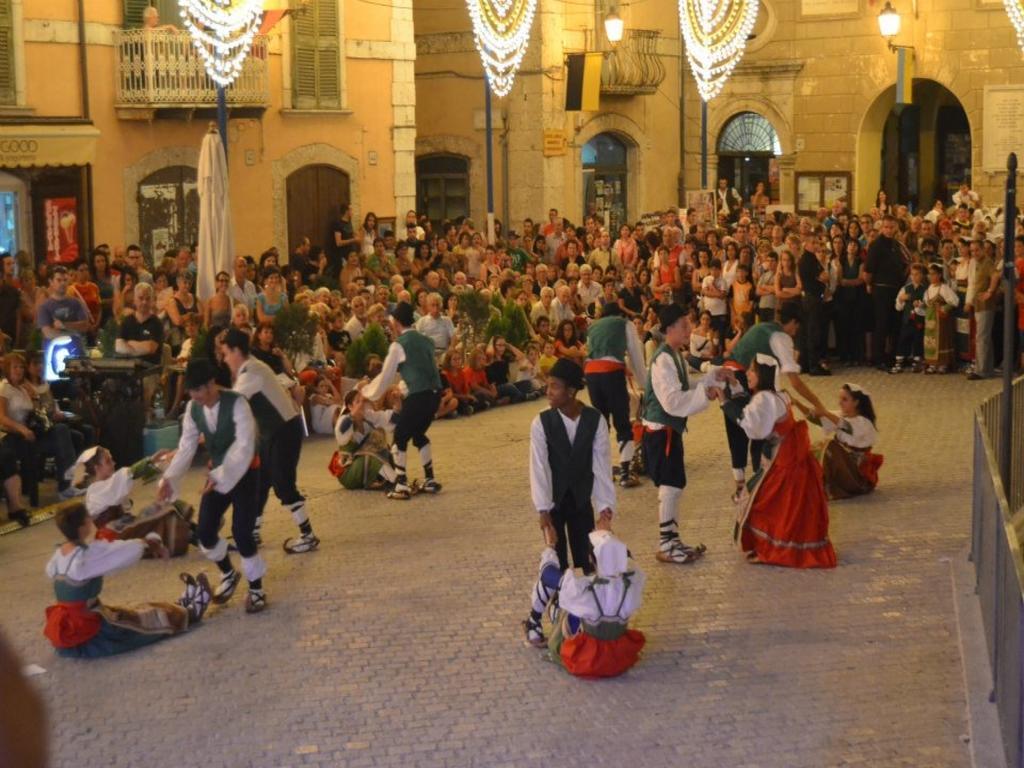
point(115, 490)
point(856, 432)
point(762, 413)
point(98, 559)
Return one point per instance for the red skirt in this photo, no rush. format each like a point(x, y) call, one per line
point(69, 625)
point(586, 656)
point(785, 522)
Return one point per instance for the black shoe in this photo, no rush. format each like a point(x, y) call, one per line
point(21, 517)
point(819, 371)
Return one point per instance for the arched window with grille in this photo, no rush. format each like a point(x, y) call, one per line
point(748, 148)
point(168, 210)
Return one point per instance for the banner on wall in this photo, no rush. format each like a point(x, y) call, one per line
point(61, 215)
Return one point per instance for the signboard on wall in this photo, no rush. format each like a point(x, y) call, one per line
point(831, 8)
point(1002, 117)
point(702, 203)
point(61, 216)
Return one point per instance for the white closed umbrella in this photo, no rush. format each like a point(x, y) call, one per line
point(216, 239)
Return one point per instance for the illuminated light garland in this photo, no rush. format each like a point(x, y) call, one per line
point(1016, 14)
point(501, 30)
point(715, 33)
point(222, 33)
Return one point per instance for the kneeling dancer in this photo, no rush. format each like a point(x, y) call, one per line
point(668, 401)
point(224, 420)
point(570, 468)
point(410, 356)
point(280, 437)
point(79, 625)
point(591, 637)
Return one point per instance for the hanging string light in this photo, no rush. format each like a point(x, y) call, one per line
point(715, 33)
point(222, 33)
point(501, 29)
point(1016, 14)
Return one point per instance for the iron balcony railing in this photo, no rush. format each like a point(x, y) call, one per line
point(161, 69)
point(633, 67)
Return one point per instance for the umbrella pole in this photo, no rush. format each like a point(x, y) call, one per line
point(222, 119)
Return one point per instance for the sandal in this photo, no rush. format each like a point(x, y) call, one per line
point(255, 601)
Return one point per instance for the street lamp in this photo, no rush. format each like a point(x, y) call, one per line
point(613, 27)
point(889, 22)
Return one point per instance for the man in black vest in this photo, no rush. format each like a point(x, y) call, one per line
point(570, 464)
point(885, 272)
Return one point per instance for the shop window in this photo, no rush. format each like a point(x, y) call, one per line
point(442, 186)
point(605, 171)
point(7, 79)
point(316, 63)
point(168, 210)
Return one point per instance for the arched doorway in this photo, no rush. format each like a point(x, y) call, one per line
point(168, 202)
point(605, 174)
point(748, 148)
point(316, 196)
point(918, 153)
point(442, 187)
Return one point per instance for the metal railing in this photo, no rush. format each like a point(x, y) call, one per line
point(160, 68)
point(996, 531)
point(633, 67)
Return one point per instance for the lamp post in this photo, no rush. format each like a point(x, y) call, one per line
point(889, 24)
point(614, 27)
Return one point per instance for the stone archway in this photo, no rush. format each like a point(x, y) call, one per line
point(635, 140)
point(930, 163)
point(287, 164)
point(451, 144)
point(146, 165)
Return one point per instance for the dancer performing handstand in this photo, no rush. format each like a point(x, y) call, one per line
point(410, 356)
point(570, 474)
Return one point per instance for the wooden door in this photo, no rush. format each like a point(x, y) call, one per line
point(316, 196)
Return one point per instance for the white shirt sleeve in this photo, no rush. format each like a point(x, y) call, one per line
point(102, 494)
point(668, 390)
point(238, 459)
point(380, 419)
point(857, 432)
point(98, 559)
point(186, 452)
point(376, 388)
point(761, 414)
point(781, 345)
point(603, 493)
point(635, 353)
point(948, 295)
point(972, 283)
point(540, 470)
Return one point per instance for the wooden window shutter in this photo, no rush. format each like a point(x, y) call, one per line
point(316, 81)
point(133, 10)
point(7, 80)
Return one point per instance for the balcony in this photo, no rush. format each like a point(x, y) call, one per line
point(159, 73)
point(633, 67)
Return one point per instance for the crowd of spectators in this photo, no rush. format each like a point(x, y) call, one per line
point(859, 278)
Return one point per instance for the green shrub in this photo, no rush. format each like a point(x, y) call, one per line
point(373, 342)
point(295, 330)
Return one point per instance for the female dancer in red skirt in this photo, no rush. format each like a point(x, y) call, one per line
point(783, 515)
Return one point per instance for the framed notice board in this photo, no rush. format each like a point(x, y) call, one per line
point(819, 189)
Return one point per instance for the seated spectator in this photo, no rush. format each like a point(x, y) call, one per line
point(324, 406)
point(567, 343)
point(453, 374)
point(272, 299)
point(484, 391)
point(500, 354)
point(437, 327)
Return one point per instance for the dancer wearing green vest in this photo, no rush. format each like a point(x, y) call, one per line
point(280, 437)
point(669, 399)
point(610, 341)
point(224, 420)
point(410, 356)
point(774, 340)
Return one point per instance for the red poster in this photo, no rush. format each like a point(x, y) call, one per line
point(61, 214)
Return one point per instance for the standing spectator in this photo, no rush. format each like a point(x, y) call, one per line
point(884, 273)
point(983, 282)
point(181, 305)
point(767, 302)
point(728, 201)
point(714, 291)
point(345, 243)
point(104, 279)
point(10, 302)
point(813, 278)
point(61, 313)
point(848, 303)
point(369, 233)
point(134, 259)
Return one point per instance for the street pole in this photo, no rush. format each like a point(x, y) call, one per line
point(222, 118)
point(490, 160)
point(703, 144)
point(1009, 326)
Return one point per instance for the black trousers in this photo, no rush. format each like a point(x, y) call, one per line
point(418, 411)
point(242, 499)
point(279, 460)
point(573, 523)
point(911, 343)
point(738, 440)
point(849, 339)
point(887, 323)
point(609, 395)
point(810, 333)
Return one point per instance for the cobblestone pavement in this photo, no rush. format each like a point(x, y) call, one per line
point(398, 643)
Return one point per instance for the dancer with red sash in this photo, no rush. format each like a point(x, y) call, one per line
point(782, 516)
point(78, 624)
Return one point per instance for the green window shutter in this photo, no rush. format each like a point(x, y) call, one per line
point(316, 81)
point(133, 10)
point(7, 89)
